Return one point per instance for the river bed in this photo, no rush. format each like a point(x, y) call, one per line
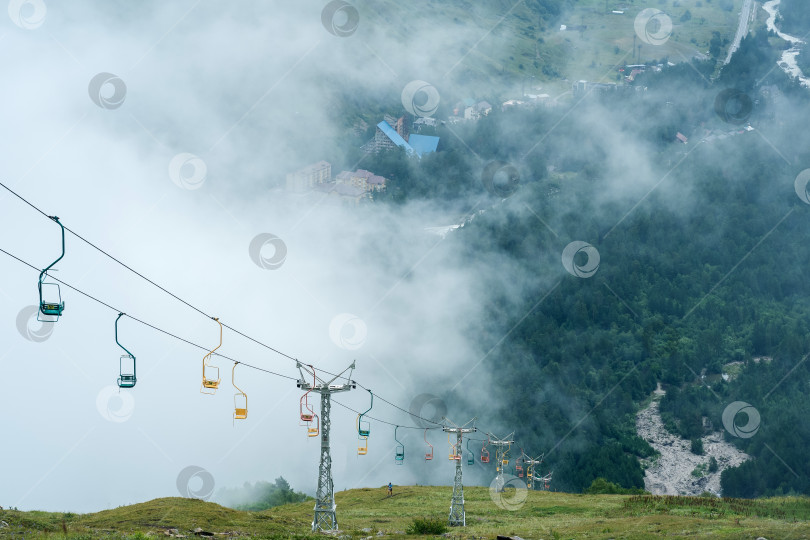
point(788, 61)
point(676, 470)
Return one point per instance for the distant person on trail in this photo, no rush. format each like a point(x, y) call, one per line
point(390, 489)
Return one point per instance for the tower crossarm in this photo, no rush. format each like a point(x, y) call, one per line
point(321, 385)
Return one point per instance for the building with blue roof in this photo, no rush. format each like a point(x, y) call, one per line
point(393, 138)
point(423, 144)
point(387, 137)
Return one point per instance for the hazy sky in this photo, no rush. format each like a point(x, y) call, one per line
point(237, 87)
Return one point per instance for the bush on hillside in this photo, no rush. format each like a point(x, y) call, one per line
point(600, 486)
point(427, 526)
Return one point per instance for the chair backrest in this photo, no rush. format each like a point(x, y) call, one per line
point(211, 376)
point(54, 304)
point(241, 414)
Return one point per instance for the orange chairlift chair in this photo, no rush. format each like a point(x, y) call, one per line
point(307, 413)
point(240, 407)
point(500, 459)
point(518, 464)
point(209, 380)
point(455, 455)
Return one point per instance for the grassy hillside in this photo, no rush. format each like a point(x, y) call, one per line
point(608, 38)
point(522, 41)
point(365, 512)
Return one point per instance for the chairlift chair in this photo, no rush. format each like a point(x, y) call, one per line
point(454, 453)
point(52, 306)
point(364, 427)
point(399, 452)
point(210, 373)
point(471, 454)
point(428, 455)
point(126, 375)
point(306, 412)
point(484, 453)
point(362, 450)
point(240, 407)
point(519, 462)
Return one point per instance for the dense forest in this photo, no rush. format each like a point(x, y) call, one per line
point(702, 283)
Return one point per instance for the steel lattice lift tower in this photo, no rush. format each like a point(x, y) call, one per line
point(325, 516)
point(501, 451)
point(457, 515)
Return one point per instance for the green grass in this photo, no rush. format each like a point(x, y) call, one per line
point(544, 515)
point(522, 47)
point(594, 51)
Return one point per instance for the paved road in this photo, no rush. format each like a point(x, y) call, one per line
point(742, 28)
